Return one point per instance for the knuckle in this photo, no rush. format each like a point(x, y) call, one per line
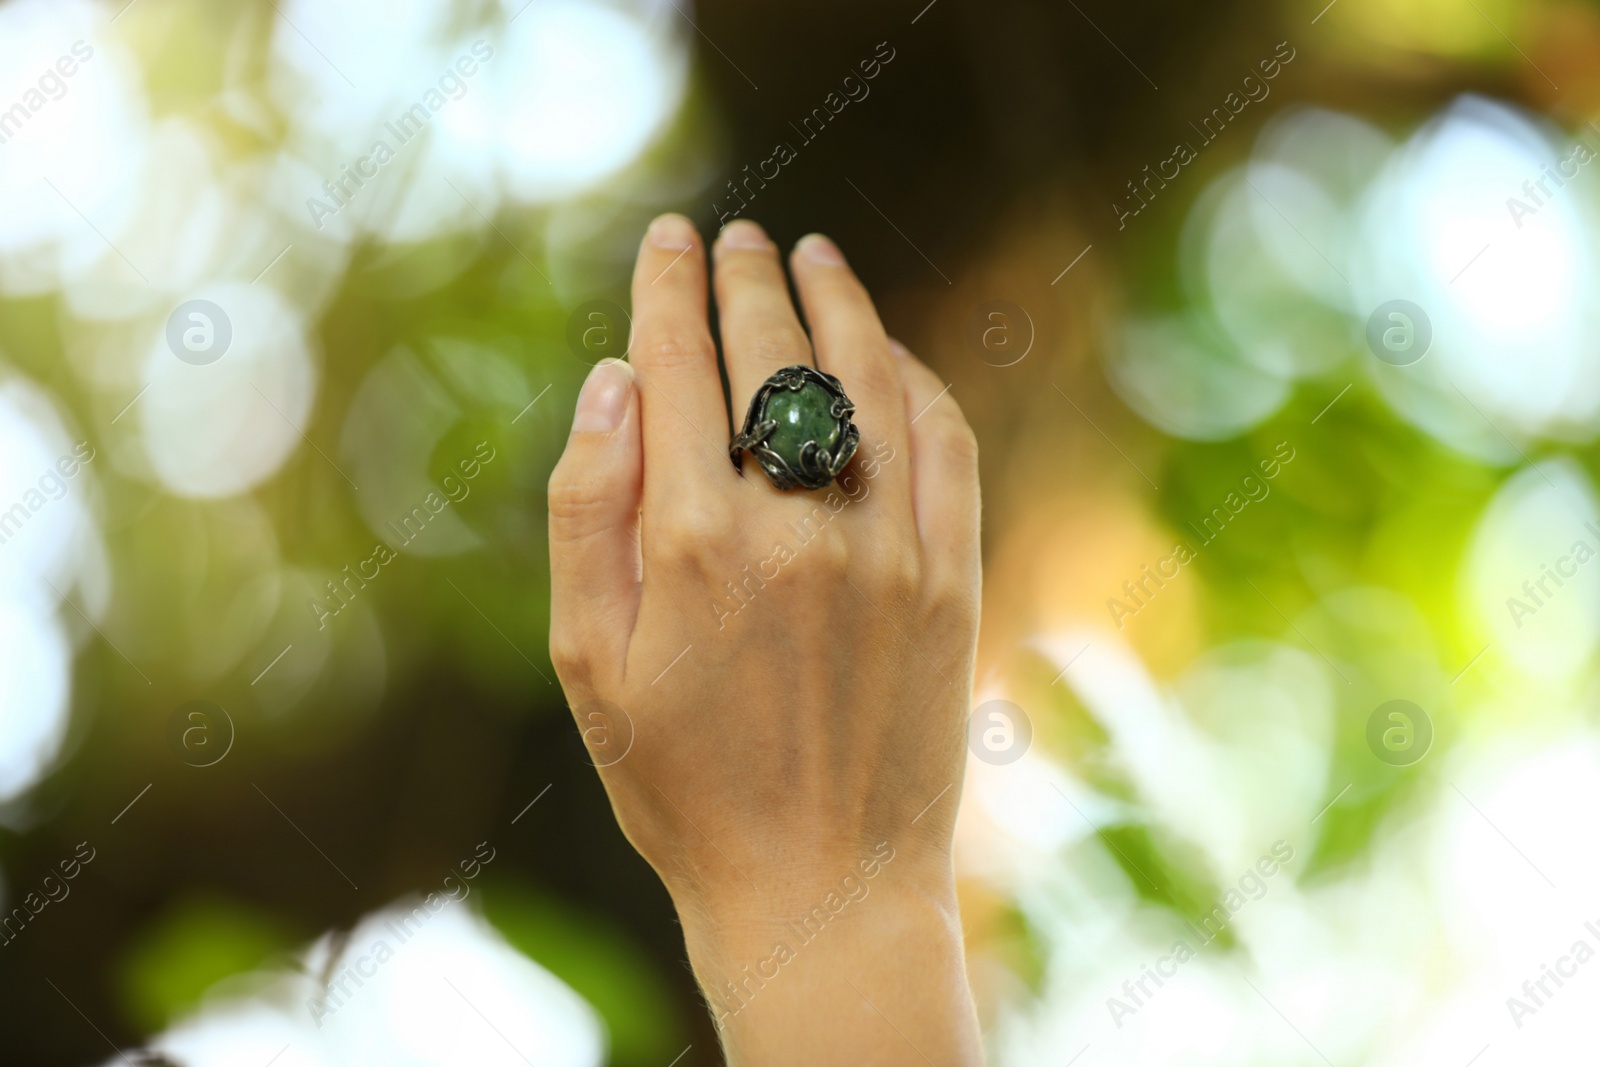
point(840, 285)
point(577, 505)
point(746, 266)
point(777, 343)
point(903, 575)
point(952, 582)
point(830, 555)
point(878, 377)
point(823, 548)
point(895, 575)
point(672, 352)
point(568, 654)
point(785, 583)
point(695, 530)
point(957, 443)
point(952, 600)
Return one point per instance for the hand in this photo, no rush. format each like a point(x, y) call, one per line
point(775, 685)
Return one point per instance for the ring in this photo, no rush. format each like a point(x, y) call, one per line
point(799, 429)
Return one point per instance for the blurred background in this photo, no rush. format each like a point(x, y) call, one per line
point(1276, 323)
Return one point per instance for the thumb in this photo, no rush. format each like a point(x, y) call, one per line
point(594, 529)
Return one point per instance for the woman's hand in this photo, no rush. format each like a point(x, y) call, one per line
point(776, 685)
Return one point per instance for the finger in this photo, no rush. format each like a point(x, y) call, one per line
point(684, 419)
point(944, 468)
point(594, 529)
point(760, 331)
point(851, 345)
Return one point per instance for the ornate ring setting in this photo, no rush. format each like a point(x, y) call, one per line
point(799, 429)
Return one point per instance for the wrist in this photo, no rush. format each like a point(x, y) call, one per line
point(888, 949)
point(801, 913)
point(758, 952)
point(751, 905)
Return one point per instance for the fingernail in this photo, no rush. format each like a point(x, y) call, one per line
point(818, 249)
point(672, 231)
point(898, 349)
point(604, 398)
point(742, 233)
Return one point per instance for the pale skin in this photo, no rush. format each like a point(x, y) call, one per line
point(792, 746)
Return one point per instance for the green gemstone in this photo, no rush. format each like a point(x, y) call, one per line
point(802, 415)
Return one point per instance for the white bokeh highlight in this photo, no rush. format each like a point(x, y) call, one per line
point(451, 994)
point(49, 548)
point(224, 427)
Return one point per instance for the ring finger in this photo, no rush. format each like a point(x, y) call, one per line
point(761, 333)
point(852, 346)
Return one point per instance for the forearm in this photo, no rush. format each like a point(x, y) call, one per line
point(818, 972)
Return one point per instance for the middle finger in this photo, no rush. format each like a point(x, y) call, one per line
point(760, 331)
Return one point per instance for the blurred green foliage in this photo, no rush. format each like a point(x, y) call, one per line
point(198, 941)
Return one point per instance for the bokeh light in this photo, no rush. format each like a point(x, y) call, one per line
point(286, 296)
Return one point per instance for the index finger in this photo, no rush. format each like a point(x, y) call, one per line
point(685, 421)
